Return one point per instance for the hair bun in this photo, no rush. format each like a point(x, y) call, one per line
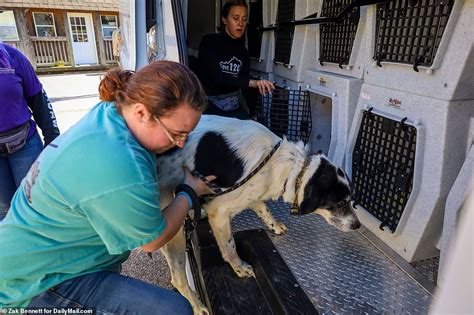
point(114, 82)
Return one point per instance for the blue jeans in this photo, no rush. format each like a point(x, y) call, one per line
point(14, 167)
point(111, 293)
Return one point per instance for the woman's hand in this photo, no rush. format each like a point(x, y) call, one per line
point(197, 184)
point(263, 86)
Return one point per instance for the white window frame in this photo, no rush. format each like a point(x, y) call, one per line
point(36, 25)
point(102, 25)
point(14, 24)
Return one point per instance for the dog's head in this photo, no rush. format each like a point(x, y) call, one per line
point(326, 191)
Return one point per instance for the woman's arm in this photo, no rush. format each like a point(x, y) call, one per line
point(44, 116)
point(174, 216)
point(176, 212)
point(263, 86)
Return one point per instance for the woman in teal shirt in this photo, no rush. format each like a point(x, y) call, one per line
point(92, 196)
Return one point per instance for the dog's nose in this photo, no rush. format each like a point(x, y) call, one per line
point(355, 225)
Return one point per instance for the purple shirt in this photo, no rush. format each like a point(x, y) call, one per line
point(18, 80)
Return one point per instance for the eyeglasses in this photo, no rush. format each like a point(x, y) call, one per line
point(177, 139)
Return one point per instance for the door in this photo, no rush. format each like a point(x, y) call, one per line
point(83, 38)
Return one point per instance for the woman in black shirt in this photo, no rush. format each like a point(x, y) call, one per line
point(223, 64)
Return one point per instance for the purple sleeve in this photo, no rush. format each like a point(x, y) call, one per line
point(24, 69)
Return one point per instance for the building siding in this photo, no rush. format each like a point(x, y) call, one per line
point(90, 5)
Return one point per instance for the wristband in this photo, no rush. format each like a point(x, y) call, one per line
point(196, 204)
point(185, 194)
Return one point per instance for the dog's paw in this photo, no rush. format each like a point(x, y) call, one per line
point(200, 310)
point(244, 270)
point(279, 228)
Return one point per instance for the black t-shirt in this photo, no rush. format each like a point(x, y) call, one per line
point(223, 64)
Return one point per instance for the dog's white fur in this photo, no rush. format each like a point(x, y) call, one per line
point(252, 142)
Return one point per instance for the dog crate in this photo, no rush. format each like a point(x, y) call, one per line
point(333, 102)
point(287, 113)
point(422, 47)
point(337, 39)
point(284, 33)
point(410, 31)
point(383, 162)
point(254, 34)
point(398, 159)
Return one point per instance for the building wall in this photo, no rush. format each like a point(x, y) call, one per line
point(28, 36)
point(90, 5)
point(59, 21)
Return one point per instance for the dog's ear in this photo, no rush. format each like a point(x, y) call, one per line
point(310, 204)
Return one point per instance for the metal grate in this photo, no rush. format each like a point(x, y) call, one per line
point(253, 32)
point(410, 31)
point(337, 39)
point(284, 33)
point(286, 113)
point(382, 167)
point(341, 273)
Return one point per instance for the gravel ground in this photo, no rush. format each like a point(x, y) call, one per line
point(142, 267)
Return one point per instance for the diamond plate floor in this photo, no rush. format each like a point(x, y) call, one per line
point(342, 273)
point(428, 268)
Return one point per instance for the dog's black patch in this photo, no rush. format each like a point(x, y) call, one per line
point(168, 152)
point(324, 189)
point(215, 157)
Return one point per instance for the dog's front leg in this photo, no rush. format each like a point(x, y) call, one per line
point(220, 223)
point(261, 210)
point(175, 254)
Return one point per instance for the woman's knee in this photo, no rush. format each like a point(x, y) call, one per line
point(120, 294)
point(179, 304)
point(164, 301)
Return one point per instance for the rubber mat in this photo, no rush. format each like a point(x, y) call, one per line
point(274, 290)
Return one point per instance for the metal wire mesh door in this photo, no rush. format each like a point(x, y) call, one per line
point(383, 164)
point(337, 39)
point(253, 33)
point(286, 113)
point(284, 33)
point(410, 31)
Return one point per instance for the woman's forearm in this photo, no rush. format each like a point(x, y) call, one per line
point(174, 216)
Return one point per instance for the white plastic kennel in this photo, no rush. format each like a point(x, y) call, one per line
point(442, 135)
point(333, 102)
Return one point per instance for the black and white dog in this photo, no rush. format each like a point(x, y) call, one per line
point(230, 149)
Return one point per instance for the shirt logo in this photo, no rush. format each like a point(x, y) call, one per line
point(232, 66)
point(7, 71)
point(31, 178)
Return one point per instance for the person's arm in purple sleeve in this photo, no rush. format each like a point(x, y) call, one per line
point(37, 100)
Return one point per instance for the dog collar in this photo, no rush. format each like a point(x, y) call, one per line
point(295, 209)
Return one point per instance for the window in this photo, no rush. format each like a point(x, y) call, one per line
point(109, 25)
point(78, 29)
point(8, 31)
point(44, 24)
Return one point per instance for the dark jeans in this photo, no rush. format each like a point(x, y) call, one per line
point(14, 167)
point(111, 293)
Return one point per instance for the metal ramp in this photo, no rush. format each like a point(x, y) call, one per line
point(343, 273)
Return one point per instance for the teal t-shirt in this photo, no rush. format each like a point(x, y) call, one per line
point(90, 198)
